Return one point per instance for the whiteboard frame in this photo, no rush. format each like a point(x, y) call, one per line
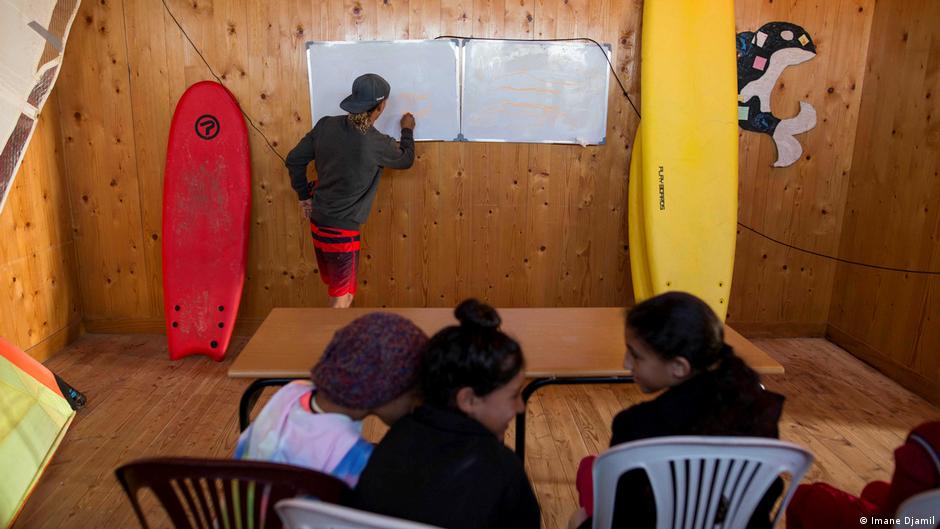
point(607, 51)
point(458, 52)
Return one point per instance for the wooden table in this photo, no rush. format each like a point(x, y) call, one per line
point(561, 346)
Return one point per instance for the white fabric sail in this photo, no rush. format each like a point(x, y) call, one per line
point(32, 41)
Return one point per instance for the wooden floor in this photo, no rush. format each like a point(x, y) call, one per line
point(140, 404)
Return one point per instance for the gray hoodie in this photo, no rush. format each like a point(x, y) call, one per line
point(349, 164)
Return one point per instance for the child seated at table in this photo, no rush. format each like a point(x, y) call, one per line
point(370, 367)
point(675, 342)
point(446, 464)
point(916, 470)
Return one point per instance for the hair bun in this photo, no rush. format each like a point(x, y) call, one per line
point(472, 313)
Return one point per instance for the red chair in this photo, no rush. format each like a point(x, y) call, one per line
point(223, 493)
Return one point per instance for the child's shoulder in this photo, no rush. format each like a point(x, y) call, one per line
point(640, 412)
point(634, 413)
point(428, 427)
point(294, 384)
point(293, 389)
point(641, 421)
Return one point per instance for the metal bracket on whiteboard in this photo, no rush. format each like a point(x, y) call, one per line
point(460, 137)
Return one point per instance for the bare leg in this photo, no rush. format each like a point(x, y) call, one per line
point(341, 302)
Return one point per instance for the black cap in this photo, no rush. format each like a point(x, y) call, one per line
point(367, 92)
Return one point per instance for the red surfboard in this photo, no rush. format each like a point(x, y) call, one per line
point(206, 206)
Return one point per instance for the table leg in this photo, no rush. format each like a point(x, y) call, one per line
point(538, 383)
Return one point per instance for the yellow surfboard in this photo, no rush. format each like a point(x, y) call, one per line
point(684, 175)
point(639, 266)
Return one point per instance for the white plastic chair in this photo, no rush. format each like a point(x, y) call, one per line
point(922, 506)
point(695, 478)
point(300, 513)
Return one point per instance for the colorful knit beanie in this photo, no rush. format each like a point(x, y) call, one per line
point(371, 361)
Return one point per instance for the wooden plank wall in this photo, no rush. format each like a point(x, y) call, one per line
point(40, 308)
point(892, 319)
point(778, 291)
point(516, 225)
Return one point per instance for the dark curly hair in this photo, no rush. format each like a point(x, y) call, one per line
point(677, 324)
point(474, 354)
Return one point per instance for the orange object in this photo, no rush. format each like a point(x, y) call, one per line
point(29, 365)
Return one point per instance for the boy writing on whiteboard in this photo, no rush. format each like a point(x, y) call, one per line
point(349, 154)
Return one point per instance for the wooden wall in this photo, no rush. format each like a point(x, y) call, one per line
point(517, 225)
point(777, 291)
point(892, 319)
point(40, 309)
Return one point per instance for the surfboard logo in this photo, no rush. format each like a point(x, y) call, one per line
point(762, 57)
point(207, 126)
point(662, 188)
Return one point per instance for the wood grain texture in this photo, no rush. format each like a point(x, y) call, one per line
point(40, 305)
point(513, 224)
point(141, 405)
point(96, 114)
point(889, 318)
point(803, 204)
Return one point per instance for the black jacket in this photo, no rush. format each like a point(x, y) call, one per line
point(726, 401)
point(443, 468)
point(349, 164)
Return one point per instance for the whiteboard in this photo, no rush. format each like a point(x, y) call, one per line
point(423, 75)
point(534, 92)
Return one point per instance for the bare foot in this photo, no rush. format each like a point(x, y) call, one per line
point(342, 302)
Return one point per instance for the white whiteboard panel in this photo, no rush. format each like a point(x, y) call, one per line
point(423, 75)
point(534, 92)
